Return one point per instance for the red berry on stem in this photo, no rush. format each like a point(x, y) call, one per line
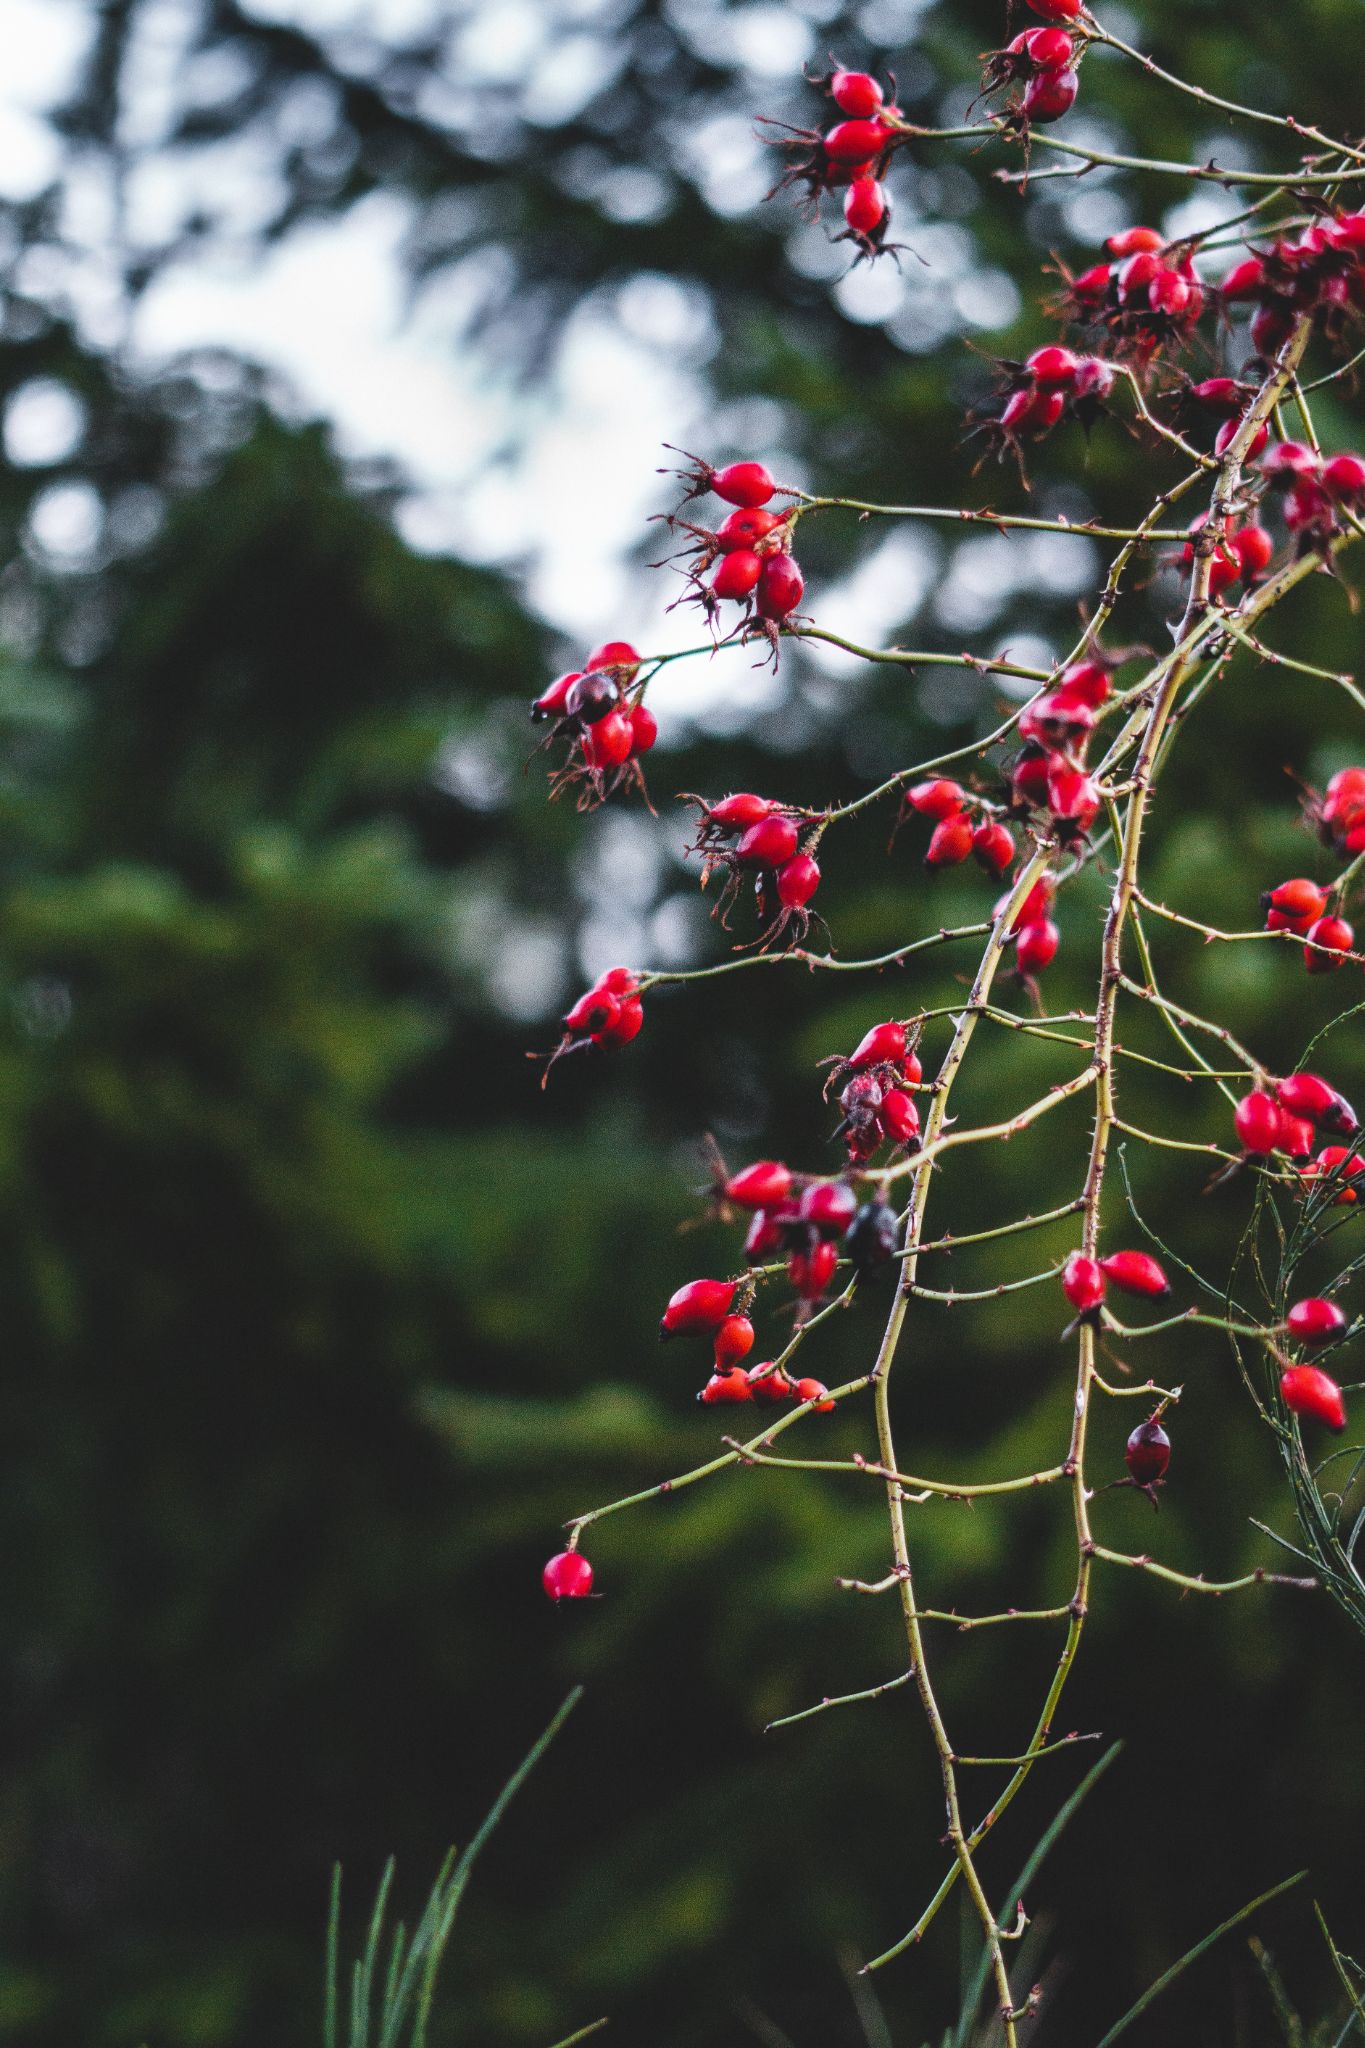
point(1048, 48)
point(593, 1011)
point(817, 1393)
point(644, 728)
point(1343, 478)
point(884, 1042)
point(1306, 1390)
point(1037, 947)
point(856, 142)
point(1259, 1123)
point(780, 587)
point(734, 1340)
point(591, 696)
point(767, 1385)
point(724, 1387)
point(700, 1305)
point(1056, 10)
point(617, 655)
point(828, 1207)
point(736, 813)
point(737, 574)
point(1050, 94)
point(811, 1272)
point(899, 1117)
point(856, 93)
point(940, 798)
point(625, 1025)
point(767, 844)
point(608, 743)
point(744, 528)
point(1083, 1283)
point(1147, 1454)
point(743, 483)
point(1135, 1273)
point(550, 703)
point(1315, 1321)
point(567, 1576)
point(1294, 905)
point(1333, 934)
point(797, 881)
point(1309, 1095)
point(1052, 365)
point(760, 1185)
point(950, 842)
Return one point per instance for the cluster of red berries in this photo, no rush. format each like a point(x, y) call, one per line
point(1241, 553)
point(1086, 1281)
point(1290, 1116)
point(609, 1013)
point(1322, 271)
point(853, 153)
point(1340, 814)
point(956, 832)
point(1048, 773)
point(1316, 490)
point(1043, 61)
point(1053, 382)
point(875, 1081)
point(706, 1308)
point(604, 729)
point(1301, 906)
point(751, 548)
point(1147, 296)
point(750, 835)
point(1307, 1389)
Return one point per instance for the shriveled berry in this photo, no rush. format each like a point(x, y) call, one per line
point(591, 697)
point(567, 1576)
point(700, 1305)
point(743, 483)
point(1307, 1390)
point(761, 1185)
point(873, 1237)
point(1147, 1454)
point(1315, 1321)
point(1135, 1273)
point(1083, 1283)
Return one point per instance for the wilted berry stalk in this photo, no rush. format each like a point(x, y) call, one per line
point(1065, 784)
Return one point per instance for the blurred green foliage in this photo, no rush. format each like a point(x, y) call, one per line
point(321, 1317)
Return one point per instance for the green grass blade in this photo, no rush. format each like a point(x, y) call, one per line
point(972, 1997)
point(582, 2034)
point(363, 1993)
point(1168, 1977)
point(330, 1991)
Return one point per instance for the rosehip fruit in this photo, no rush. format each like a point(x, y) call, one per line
point(743, 483)
point(855, 93)
point(780, 587)
point(734, 1340)
point(743, 528)
point(591, 697)
point(567, 1576)
point(618, 656)
point(551, 703)
point(1306, 1390)
point(644, 728)
point(950, 842)
point(856, 142)
point(899, 1116)
point(817, 1393)
point(940, 798)
point(828, 1207)
point(1253, 547)
point(1309, 1095)
point(1259, 1123)
point(1052, 365)
point(1294, 905)
point(1087, 682)
point(761, 1185)
point(1315, 1321)
point(1135, 1273)
point(811, 1272)
point(737, 574)
point(865, 205)
point(1048, 48)
point(993, 845)
point(1056, 10)
point(1343, 478)
point(1083, 1283)
point(700, 1305)
point(1147, 1454)
point(767, 844)
point(608, 743)
point(1131, 241)
point(767, 1385)
point(883, 1043)
point(1336, 936)
point(1037, 947)
point(593, 1011)
point(797, 881)
point(725, 1387)
point(737, 813)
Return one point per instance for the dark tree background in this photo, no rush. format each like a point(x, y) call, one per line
point(320, 1317)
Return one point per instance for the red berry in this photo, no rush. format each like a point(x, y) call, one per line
point(1052, 365)
point(1135, 275)
point(1287, 460)
point(737, 813)
point(828, 1207)
point(1169, 292)
point(550, 703)
point(856, 142)
point(1259, 1123)
point(1048, 48)
point(734, 1340)
point(1073, 797)
point(1294, 905)
point(1131, 241)
point(725, 1387)
point(1147, 1454)
point(950, 842)
point(743, 483)
point(883, 1043)
point(644, 729)
point(1083, 1283)
point(1337, 936)
point(940, 798)
point(700, 1305)
point(865, 205)
point(618, 656)
point(855, 93)
point(811, 1272)
point(593, 1011)
point(737, 574)
point(1315, 1321)
point(1310, 1096)
point(1253, 548)
point(1343, 478)
point(816, 1392)
point(780, 587)
point(1038, 945)
point(1094, 378)
point(1091, 288)
point(1087, 682)
point(608, 743)
point(761, 1185)
point(993, 845)
point(1135, 1273)
point(1297, 1136)
point(1228, 432)
point(1032, 411)
point(767, 844)
point(567, 1576)
point(625, 1025)
point(1305, 1390)
point(1056, 10)
point(899, 1117)
point(767, 1385)
point(620, 981)
point(744, 528)
point(1223, 395)
point(1245, 280)
point(797, 881)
